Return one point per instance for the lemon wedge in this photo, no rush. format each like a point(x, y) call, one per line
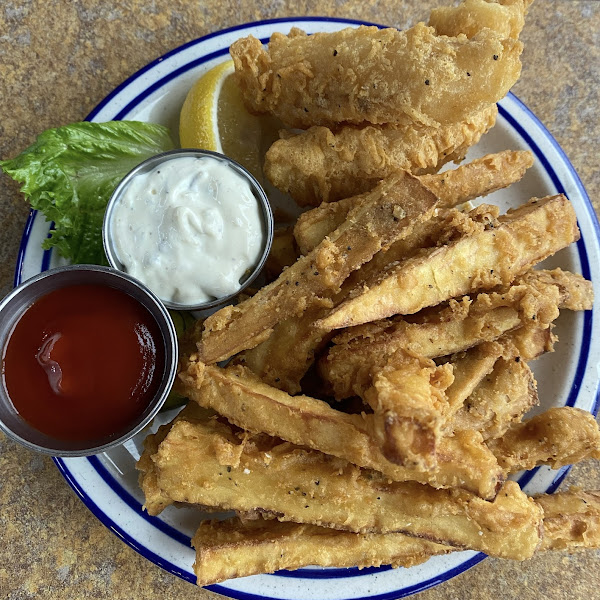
point(213, 117)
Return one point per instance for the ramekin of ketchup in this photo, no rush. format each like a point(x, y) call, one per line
point(89, 356)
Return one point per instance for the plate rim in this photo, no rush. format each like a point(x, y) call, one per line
point(105, 519)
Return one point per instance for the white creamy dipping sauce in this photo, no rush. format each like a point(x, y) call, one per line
point(189, 229)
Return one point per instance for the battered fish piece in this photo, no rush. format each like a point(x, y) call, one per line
point(481, 261)
point(305, 486)
point(371, 75)
point(463, 461)
point(558, 437)
point(478, 178)
point(321, 165)
point(227, 549)
point(506, 17)
point(393, 209)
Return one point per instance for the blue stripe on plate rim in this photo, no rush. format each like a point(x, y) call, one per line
point(309, 573)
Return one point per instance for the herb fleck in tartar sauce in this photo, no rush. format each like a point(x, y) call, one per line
point(189, 229)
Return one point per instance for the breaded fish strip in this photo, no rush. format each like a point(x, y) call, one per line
point(410, 404)
point(232, 548)
point(481, 261)
point(284, 253)
point(558, 437)
point(478, 178)
point(463, 460)
point(371, 75)
point(321, 165)
point(506, 17)
point(499, 401)
point(205, 463)
point(461, 325)
point(226, 549)
point(571, 520)
point(390, 213)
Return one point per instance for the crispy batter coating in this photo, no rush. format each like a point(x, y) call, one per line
point(284, 253)
point(494, 256)
point(321, 165)
point(500, 400)
point(205, 462)
point(462, 461)
point(449, 329)
point(478, 178)
point(391, 212)
point(226, 549)
point(558, 437)
point(506, 17)
point(571, 520)
point(373, 75)
point(232, 548)
point(409, 404)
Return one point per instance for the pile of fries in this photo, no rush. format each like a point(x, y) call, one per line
point(375, 398)
point(421, 468)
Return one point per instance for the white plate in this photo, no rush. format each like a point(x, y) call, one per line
point(107, 483)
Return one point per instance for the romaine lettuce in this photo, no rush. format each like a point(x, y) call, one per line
point(70, 172)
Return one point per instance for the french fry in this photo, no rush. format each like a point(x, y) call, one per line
point(558, 437)
point(205, 463)
point(463, 461)
point(227, 549)
point(464, 323)
point(409, 404)
point(232, 548)
point(494, 256)
point(478, 178)
point(392, 211)
point(571, 520)
point(501, 399)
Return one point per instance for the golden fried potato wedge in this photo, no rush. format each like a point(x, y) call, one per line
point(478, 178)
point(204, 462)
point(463, 461)
point(481, 261)
point(392, 211)
point(558, 437)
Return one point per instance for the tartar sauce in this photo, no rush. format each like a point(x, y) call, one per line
point(189, 229)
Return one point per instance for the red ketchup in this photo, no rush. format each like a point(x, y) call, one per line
point(83, 363)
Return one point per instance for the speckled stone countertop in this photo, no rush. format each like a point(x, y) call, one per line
point(58, 59)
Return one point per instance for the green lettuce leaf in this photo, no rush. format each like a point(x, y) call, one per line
point(69, 174)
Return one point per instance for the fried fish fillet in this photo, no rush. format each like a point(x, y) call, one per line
point(204, 462)
point(506, 17)
point(478, 178)
point(558, 437)
point(494, 256)
point(321, 165)
point(227, 549)
point(390, 213)
point(500, 400)
point(463, 461)
point(450, 329)
point(371, 75)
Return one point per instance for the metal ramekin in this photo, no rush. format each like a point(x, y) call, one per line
point(149, 164)
point(21, 298)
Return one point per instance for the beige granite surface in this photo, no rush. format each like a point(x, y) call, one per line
point(58, 59)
